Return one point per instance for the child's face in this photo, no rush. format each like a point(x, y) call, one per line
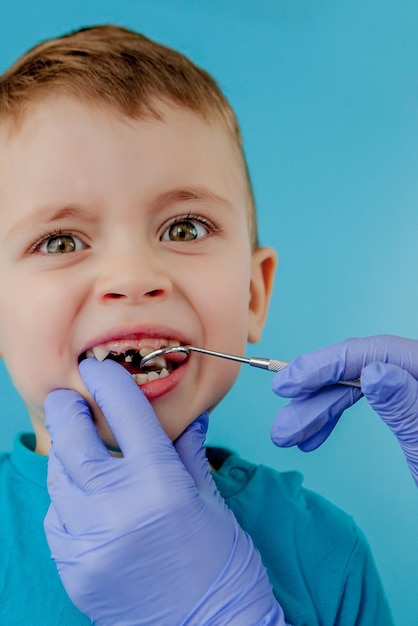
point(126, 233)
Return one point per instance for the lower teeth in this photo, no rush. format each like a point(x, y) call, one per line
point(141, 379)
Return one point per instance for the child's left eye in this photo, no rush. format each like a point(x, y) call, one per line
point(61, 244)
point(186, 229)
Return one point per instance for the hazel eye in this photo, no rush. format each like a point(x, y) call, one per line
point(185, 230)
point(61, 244)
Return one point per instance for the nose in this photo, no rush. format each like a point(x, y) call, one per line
point(132, 271)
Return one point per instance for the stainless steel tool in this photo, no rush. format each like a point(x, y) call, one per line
point(273, 365)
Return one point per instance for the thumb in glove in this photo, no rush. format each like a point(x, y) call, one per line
point(393, 393)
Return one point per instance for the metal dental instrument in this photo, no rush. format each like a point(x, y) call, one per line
point(273, 365)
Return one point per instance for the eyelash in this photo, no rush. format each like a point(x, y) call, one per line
point(58, 232)
point(189, 217)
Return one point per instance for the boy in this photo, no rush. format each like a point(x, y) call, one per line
point(128, 221)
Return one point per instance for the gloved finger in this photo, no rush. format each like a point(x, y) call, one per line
point(69, 499)
point(58, 483)
point(312, 443)
point(65, 548)
point(191, 450)
point(393, 393)
point(56, 475)
point(54, 529)
point(56, 540)
point(75, 440)
point(312, 416)
point(130, 416)
point(344, 361)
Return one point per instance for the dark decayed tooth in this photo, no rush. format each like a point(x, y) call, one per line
point(132, 356)
point(129, 356)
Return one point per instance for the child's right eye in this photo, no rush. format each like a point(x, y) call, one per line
point(59, 243)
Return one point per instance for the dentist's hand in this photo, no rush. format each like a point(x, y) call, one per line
point(144, 539)
point(388, 368)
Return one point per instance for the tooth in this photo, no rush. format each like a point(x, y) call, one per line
point(100, 352)
point(140, 379)
point(157, 363)
point(145, 350)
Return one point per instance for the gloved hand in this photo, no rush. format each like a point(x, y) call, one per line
point(144, 539)
point(388, 368)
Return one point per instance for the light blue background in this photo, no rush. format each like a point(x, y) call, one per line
point(327, 96)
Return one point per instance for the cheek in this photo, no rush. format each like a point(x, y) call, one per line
point(224, 307)
point(34, 369)
point(35, 339)
point(224, 319)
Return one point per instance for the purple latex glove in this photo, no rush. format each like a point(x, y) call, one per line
point(388, 368)
point(144, 539)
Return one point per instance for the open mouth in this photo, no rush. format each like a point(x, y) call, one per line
point(129, 352)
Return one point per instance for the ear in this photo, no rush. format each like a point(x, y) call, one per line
point(264, 262)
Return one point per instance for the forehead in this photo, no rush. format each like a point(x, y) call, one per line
point(60, 135)
point(62, 116)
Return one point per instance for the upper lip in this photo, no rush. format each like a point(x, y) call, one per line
point(137, 333)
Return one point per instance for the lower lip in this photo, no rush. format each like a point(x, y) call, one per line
point(161, 386)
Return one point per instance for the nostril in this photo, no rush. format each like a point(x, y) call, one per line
point(155, 292)
point(114, 296)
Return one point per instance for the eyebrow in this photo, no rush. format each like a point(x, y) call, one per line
point(47, 216)
point(199, 194)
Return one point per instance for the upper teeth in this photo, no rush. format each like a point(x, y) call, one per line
point(159, 368)
point(99, 352)
point(102, 351)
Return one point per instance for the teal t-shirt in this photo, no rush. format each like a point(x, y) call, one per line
point(31, 593)
point(318, 561)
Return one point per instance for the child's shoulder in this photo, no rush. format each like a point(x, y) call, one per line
point(318, 560)
point(280, 495)
point(4, 461)
point(262, 496)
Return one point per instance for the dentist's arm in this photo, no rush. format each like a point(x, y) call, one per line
point(388, 368)
point(147, 538)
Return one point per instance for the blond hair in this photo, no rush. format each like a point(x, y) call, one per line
point(124, 70)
